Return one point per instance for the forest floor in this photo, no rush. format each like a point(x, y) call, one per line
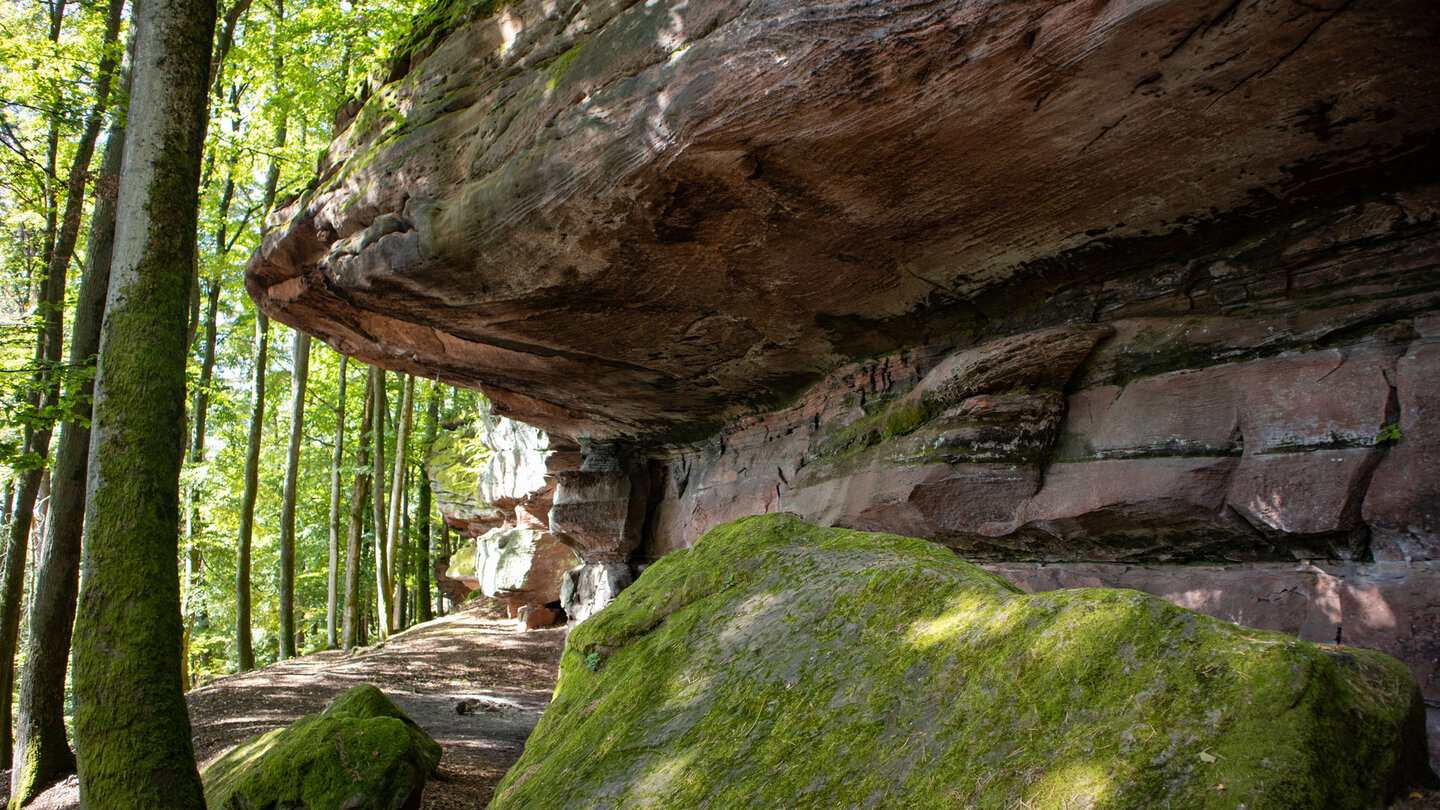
point(475, 656)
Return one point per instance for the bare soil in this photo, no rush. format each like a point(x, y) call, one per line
point(503, 677)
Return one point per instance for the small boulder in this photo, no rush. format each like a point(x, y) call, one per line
point(779, 664)
point(361, 753)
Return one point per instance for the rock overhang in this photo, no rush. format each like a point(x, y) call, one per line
point(627, 220)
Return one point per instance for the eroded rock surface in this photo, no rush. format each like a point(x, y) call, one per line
point(1052, 283)
point(777, 664)
point(626, 219)
point(500, 503)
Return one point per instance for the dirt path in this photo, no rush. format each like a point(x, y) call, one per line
point(505, 679)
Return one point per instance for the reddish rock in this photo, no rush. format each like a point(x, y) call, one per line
point(1309, 502)
point(533, 618)
point(639, 220)
point(1402, 503)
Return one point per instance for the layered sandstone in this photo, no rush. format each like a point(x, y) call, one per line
point(638, 220)
point(1077, 289)
point(497, 489)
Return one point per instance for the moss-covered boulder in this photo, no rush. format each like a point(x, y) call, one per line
point(777, 664)
point(361, 753)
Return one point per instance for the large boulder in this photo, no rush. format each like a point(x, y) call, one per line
point(777, 664)
point(360, 753)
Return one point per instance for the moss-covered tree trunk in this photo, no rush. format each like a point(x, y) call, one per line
point(244, 653)
point(422, 510)
point(354, 542)
point(383, 585)
point(332, 571)
point(42, 753)
point(301, 357)
point(396, 584)
point(131, 727)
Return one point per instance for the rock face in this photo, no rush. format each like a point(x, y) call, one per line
point(777, 664)
point(503, 503)
point(1056, 284)
point(361, 752)
point(625, 219)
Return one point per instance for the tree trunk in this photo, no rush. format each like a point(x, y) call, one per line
point(60, 248)
point(383, 585)
point(397, 484)
point(42, 754)
point(422, 510)
point(333, 570)
point(444, 554)
point(406, 552)
point(354, 615)
point(244, 654)
point(193, 561)
point(287, 507)
point(131, 724)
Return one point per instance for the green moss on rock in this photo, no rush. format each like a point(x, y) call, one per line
point(362, 751)
point(777, 664)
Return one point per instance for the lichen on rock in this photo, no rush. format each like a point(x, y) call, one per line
point(362, 751)
point(778, 664)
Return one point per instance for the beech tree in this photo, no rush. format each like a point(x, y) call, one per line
point(354, 616)
point(132, 729)
point(393, 549)
point(383, 586)
point(244, 653)
point(333, 558)
point(49, 350)
point(276, 74)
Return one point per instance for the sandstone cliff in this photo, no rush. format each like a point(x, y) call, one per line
point(1083, 290)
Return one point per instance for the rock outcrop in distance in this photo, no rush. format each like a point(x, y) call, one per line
point(779, 664)
point(496, 490)
point(1081, 290)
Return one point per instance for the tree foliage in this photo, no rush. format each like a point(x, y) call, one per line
point(50, 53)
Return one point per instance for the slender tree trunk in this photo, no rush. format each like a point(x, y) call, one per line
point(354, 612)
point(193, 526)
point(402, 580)
point(333, 570)
point(42, 754)
point(397, 485)
point(423, 563)
point(383, 586)
point(244, 654)
point(131, 724)
point(445, 554)
point(301, 351)
point(60, 247)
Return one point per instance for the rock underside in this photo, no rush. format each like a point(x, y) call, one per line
point(778, 664)
point(1084, 291)
point(360, 752)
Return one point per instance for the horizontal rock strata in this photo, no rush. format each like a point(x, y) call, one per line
point(626, 219)
point(1074, 283)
